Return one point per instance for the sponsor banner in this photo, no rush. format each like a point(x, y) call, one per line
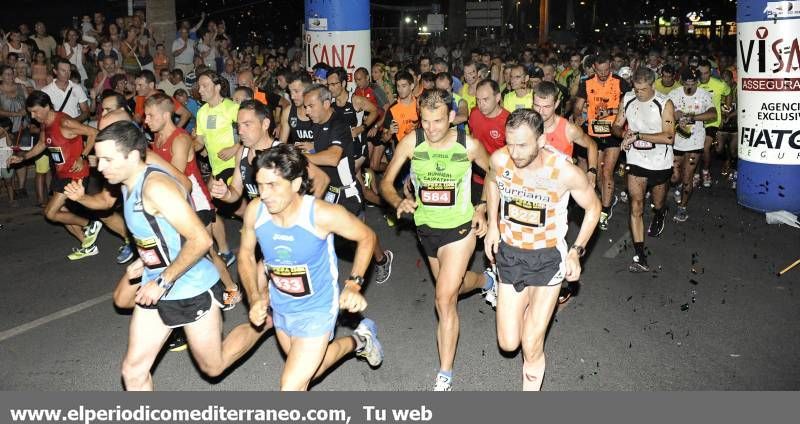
point(768, 104)
point(348, 49)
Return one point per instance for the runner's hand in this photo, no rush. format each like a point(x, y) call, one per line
point(149, 294)
point(490, 243)
point(77, 166)
point(305, 146)
point(258, 312)
point(479, 221)
point(218, 188)
point(74, 190)
point(228, 152)
point(573, 265)
point(372, 132)
point(352, 300)
point(592, 177)
point(406, 206)
point(13, 160)
point(135, 269)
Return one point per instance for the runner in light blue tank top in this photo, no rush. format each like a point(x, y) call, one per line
point(295, 232)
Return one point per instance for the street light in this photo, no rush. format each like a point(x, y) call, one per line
point(408, 19)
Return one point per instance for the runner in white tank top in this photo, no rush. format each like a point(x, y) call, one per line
point(647, 140)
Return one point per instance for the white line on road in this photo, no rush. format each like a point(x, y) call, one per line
point(52, 317)
point(617, 247)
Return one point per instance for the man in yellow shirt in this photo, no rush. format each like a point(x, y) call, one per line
point(667, 82)
point(520, 96)
point(215, 129)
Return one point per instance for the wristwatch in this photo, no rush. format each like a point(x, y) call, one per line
point(580, 249)
point(357, 279)
point(163, 283)
point(592, 170)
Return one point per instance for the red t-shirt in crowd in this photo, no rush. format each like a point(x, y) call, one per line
point(491, 132)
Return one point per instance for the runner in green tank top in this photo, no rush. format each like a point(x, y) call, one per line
point(441, 181)
point(447, 225)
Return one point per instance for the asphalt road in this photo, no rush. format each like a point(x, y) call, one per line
point(732, 324)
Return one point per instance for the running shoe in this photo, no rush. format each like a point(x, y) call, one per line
point(603, 224)
point(638, 265)
point(90, 233)
point(706, 179)
point(564, 294)
point(656, 225)
point(732, 177)
point(228, 257)
point(124, 253)
point(443, 383)
point(681, 215)
point(490, 294)
point(372, 351)
point(83, 252)
point(177, 341)
point(383, 272)
point(231, 297)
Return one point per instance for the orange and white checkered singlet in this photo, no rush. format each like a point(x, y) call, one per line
point(533, 208)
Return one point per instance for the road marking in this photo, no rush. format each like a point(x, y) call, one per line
point(617, 247)
point(52, 317)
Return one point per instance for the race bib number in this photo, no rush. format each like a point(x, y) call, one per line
point(151, 253)
point(211, 122)
point(601, 126)
point(56, 155)
point(643, 145)
point(524, 213)
point(292, 280)
point(438, 195)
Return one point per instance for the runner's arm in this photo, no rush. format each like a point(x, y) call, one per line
point(462, 114)
point(185, 115)
point(618, 128)
point(37, 149)
point(319, 179)
point(336, 219)
point(285, 129)
point(152, 158)
point(247, 252)
point(328, 157)
point(667, 134)
point(707, 116)
point(578, 186)
point(72, 127)
point(233, 191)
point(162, 196)
point(577, 136)
point(403, 153)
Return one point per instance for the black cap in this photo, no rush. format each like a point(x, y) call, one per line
point(688, 74)
point(536, 72)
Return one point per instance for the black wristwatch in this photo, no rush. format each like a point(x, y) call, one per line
point(84, 157)
point(357, 279)
point(592, 170)
point(580, 249)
